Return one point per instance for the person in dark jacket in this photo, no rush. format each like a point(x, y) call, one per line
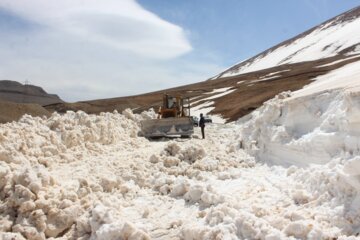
point(202, 125)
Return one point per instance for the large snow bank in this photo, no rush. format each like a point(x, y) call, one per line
point(317, 129)
point(307, 130)
point(311, 129)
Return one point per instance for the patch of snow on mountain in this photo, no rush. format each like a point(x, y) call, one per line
point(346, 77)
point(274, 73)
point(220, 94)
point(262, 79)
point(338, 61)
point(207, 106)
point(219, 90)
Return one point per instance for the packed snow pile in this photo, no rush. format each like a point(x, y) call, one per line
point(80, 176)
point(33, 202)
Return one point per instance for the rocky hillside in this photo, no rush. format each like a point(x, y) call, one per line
point(13, 91)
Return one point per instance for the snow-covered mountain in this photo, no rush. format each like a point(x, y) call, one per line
point(337, 36)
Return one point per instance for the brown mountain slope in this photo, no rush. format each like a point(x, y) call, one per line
point(13, 111)
point(250, 90)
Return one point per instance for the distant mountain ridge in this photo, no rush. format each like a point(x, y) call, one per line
point(13, 91)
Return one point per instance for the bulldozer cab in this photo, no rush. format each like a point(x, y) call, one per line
point(174, 107)
point(173, 119)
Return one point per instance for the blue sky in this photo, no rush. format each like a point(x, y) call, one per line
point(234, 30)
point(90, 49)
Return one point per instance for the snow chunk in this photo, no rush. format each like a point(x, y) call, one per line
point(105, 227)
point(298, 229)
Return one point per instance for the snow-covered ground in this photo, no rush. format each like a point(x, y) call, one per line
point(289, 170)
point(79, 176)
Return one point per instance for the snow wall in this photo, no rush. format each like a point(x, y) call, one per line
point(311, 129)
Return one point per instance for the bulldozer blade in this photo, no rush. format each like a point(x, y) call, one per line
point(167, 127)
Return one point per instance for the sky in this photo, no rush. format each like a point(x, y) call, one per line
point(92, 49)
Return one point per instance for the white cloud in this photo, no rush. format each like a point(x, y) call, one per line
point(90, 50)
point(123, 25)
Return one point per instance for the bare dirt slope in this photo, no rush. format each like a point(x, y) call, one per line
point(13, 111)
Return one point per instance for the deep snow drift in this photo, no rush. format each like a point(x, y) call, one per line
point(79, 176)
point(311, 129)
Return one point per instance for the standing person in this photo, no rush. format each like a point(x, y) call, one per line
point(202, 125)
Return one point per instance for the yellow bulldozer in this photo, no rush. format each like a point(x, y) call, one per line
point(173, 119)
